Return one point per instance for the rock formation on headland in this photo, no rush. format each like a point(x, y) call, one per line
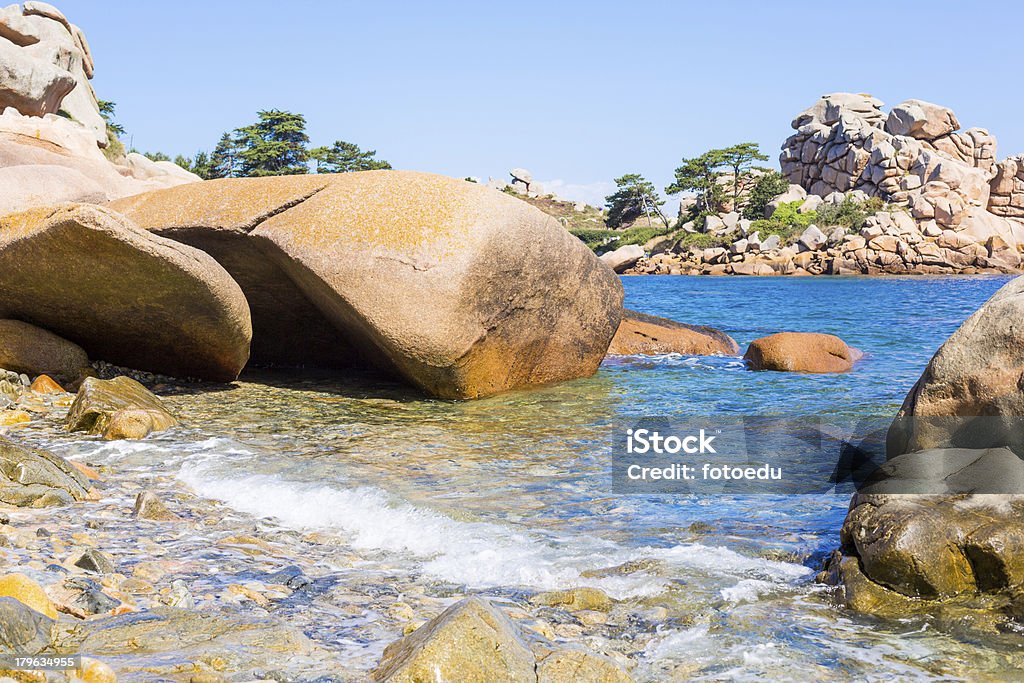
point(944, 203)
point(51, 130)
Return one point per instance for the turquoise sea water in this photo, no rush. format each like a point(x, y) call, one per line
point(511, 495)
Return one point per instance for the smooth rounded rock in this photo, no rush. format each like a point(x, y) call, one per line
point(122, 294)
point(801, 352)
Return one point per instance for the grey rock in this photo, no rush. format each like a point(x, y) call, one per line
point(94, 561)
point(35, 477)
point(22, 629)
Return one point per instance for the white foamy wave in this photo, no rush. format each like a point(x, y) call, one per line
point(478, 554)
point(748, 590)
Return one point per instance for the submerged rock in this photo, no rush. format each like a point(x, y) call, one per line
point(118, 408)
point(575, 599)
point(461, 290)
point(640, 333)
point(801, 352)
point(29, 349)
point(122, 294)
point(81, 597)
point(37, 478)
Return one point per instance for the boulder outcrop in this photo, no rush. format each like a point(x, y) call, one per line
point(28, 349)
point(122, 294)
point(623, 258)
point(928, 198)
point(801, 352)
point(642, 334)
point(51, 130)
point(956, 445)
point(40, 47)
point(976, 374)
point(461, 290)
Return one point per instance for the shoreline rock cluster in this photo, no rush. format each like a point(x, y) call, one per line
point(941, 534)
point(948, 205)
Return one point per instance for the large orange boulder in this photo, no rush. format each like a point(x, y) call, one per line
point(122, 294)
point(801, 352)
point(462, 290)
point(642, 334)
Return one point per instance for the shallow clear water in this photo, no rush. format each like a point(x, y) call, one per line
point(374, 489)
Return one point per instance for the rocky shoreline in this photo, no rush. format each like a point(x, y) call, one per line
point(871, 193)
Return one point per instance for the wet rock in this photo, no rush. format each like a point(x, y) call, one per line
point(801, 352)
point(149, 506)
point(81, 597)
point(44, 384)
point(182, 637)
point(512, 299)
point(580, 666)
point(291, 577)
point(123, 294)
point(92, 560)
point(640, 333)
point(469, 641)
point(25, 348)
point(474, 641)
point(179, 596)
point(37, 478)
point(95, 671)
point(575, 599)
point(116, 409)
point(27, 592)
point(23, 629)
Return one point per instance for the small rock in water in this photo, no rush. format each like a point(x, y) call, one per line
point(44, 384)
point(575, 599)
point(149, 506)
point(292, 577)
point(179, 596)
point(95, 561)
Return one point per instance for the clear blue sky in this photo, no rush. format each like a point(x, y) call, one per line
point(576, 91)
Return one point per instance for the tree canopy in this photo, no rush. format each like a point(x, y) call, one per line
point(701, 175)
point(343, 157)
point(634, 197)
point(274, 145)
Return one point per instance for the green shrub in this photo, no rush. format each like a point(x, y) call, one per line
point(785, 222)
point(849, 214)
point(704, 240)
point(768, 186)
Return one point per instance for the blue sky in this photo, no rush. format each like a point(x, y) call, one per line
point(579, 92)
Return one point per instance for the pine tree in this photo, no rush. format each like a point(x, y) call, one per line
point(635, 197)
point(343, 157)
point(224, 160)
point(274, 145)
